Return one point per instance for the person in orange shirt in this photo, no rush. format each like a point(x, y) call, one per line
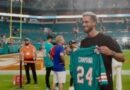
point(28, 55)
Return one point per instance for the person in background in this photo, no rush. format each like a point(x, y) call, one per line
point(28, 55)
point(57, 54)
point(117, 71)
point(73, 46)
point(107, 46)
point(47, 60)
point(40, 52)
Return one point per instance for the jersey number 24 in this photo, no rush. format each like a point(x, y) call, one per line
point(80, 75)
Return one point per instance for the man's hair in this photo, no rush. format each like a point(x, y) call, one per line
point(72, 42)
point(59, 38)
point(49, 37)
point(91, 14)
point(27, 39)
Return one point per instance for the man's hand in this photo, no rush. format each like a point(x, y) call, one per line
point(105, 50)
point(117, 55)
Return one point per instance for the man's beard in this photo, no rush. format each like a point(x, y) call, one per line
point(26, 44)
point(88, 30)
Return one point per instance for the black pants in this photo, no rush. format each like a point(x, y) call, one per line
point(48, 72)
point(33, 68)
point(71, 80)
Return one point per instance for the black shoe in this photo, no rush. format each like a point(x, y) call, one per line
point(35, 82)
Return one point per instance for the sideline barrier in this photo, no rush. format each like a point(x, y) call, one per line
point(15, 66)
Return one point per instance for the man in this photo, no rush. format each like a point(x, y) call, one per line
point(57, 54)
point(74, 47)
point(28, 54)
point(47, 60)
point(106, 45)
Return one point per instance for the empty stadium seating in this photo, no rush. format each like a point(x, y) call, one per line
point(36, 31)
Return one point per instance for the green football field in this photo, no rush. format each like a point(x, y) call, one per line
point(6, 80)
point(126, 65)
point(6, 83)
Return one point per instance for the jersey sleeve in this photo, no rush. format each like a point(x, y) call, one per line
point(102, 77)
point(61, 50)
point(71, 62)
point(52, 52)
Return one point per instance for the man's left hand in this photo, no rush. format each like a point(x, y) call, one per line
point(105, 50)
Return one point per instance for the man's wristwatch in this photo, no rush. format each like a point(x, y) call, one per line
point(113, 53)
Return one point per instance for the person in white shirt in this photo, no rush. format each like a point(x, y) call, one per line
point(117, 71)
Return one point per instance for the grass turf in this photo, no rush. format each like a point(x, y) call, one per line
point(6, 83)
point(6, 80)
point(126, 64)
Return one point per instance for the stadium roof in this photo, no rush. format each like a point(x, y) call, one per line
point(35, 7)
